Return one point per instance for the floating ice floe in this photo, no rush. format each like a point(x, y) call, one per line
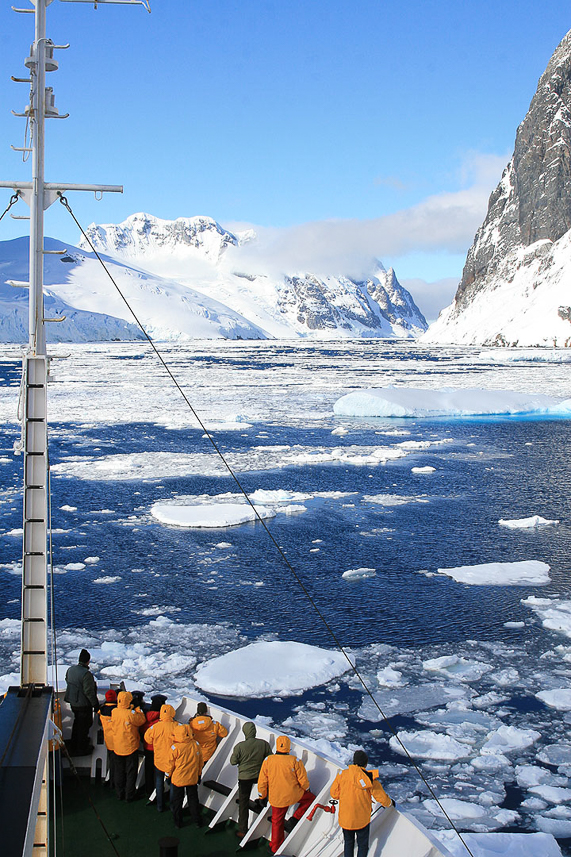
point(447, 402)
point(457, 667)
point(500, 844)
point(527, 523)
point(107, 579)
point(555, 613)
point(525, 573)
point(427, 469)
point(508, 739)
point(430, 745)
point(358, 573)
point(213, 516)
point(559, 698)
point(270, 669)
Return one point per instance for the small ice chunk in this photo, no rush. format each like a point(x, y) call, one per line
point(525, 573)
point(558, 827)
point(91, 560)
point(457, 667)
point(514, 625)
point(340, 430)
point(559, 698)
point(507, 739)
point(358, 573)
point(499, 844)
point(427, 469)
point(213, 515)
point(108, 579)
point(552, 794)
point(527, 523)
point(389, 677)
point(74, 566)
point(455, 808)
point(555, 754)
point(430, 745)
point(68, 508)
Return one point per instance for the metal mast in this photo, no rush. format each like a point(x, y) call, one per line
point(39, 195)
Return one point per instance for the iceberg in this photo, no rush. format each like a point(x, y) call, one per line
point(447, 402)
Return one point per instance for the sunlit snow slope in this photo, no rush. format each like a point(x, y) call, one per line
point(198, 253)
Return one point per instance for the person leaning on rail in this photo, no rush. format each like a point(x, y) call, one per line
point(355, 788)
point(184, 767)
point(160, 737)
point(283, 780)
point(151, 716)
point(81, 694)
point(206, 731)
point(125, 722)
point(248, 755)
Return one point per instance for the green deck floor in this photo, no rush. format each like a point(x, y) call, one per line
point(134, 828)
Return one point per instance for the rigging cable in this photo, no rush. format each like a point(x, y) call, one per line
point(259, 518)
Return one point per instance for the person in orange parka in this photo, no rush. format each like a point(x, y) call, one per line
point(159, 736)
point(105, 712)
point(125, 722)
point(283, 780)
point(355, 789)
point(151, 716)
point(206, 731)
point(184, 769)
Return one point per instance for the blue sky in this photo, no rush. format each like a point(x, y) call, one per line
point(341, 131)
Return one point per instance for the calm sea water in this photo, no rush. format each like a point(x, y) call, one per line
point(485, 470)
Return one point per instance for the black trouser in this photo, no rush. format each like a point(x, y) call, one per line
point(177, 798)
point(126, 775)
point(362, 837)
point(111, 767)
point(244, 792)
point(149, 771)
point(82, 722)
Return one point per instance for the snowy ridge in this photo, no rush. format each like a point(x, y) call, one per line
point(513, 289)
point(75, 285)
point(198, 253)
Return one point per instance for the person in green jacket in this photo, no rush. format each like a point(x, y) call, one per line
point(248, 755)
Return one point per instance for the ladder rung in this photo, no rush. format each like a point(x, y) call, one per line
point(34, 453)
point(33, 652)
point(37, 487)
point(33, 620)
point(33, 586)
point(35, 386)
point(34, 520)
point(34, 553)
point(35, 419)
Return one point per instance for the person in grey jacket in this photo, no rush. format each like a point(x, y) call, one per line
point(248, 755)
point(81, 694)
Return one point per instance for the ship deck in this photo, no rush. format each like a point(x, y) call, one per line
point(94, 823)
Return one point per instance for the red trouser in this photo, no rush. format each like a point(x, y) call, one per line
point(278, 818)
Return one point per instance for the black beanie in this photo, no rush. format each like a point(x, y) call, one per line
point(360, 758)
point(157, 701)
point(84, 657)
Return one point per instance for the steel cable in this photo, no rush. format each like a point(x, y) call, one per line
point(258, 517)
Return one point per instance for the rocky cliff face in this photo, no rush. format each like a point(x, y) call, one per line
point(521, 246)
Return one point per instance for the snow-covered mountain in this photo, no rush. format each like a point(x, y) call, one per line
point(515, 284)
point(198, 253)
point(75, 285)
point(183, 283)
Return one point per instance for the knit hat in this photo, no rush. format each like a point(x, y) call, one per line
point(157, 701)
point(360, 758)
point(84, 657)
point(111, 696)
point(283, 744)
point(201, 708)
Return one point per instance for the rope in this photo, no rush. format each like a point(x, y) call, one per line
point(13, 200)
point(298, 580)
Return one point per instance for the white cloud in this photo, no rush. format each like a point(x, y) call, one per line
point(430, 298)
point(442, 223)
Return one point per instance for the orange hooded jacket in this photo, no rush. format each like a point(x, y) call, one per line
point(185, 759)
point(125, 722)
point(355, 793)
point(283, 778)
point(159, 736)
point(207, 732)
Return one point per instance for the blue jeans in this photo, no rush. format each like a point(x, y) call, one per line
point(160, 787)
point(362, 836)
